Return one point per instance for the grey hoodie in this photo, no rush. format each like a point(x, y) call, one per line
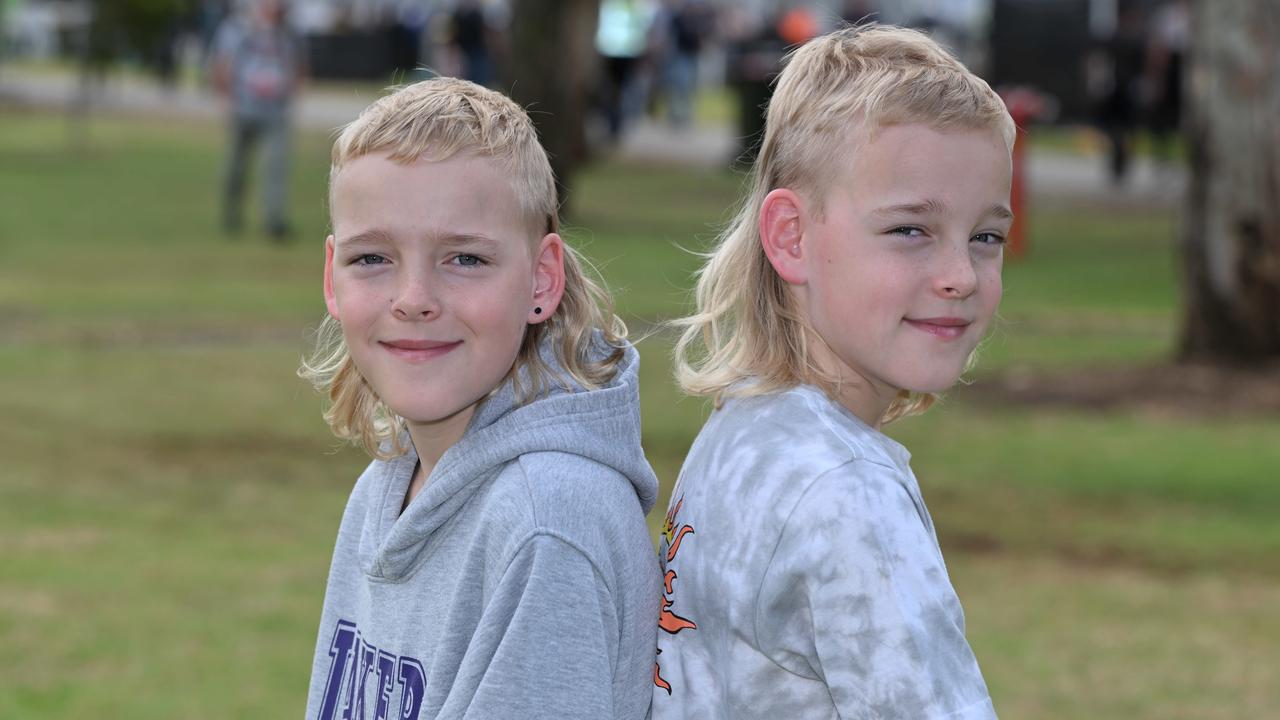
point(520, 583)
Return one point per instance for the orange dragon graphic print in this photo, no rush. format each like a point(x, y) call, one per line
point(668, 621)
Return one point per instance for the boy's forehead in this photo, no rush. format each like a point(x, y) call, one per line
point(462, 194)
point(915, 164)
point(918, 144)
point(459, 166)
point(461, 176)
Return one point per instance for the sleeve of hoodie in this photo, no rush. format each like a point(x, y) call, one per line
point(549, 633)
point(857, 596)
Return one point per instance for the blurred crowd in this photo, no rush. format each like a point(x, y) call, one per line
point(652, 54)
point(1124, 72)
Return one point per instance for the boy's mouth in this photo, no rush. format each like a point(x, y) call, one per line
point(946, 328)
point(419, 349)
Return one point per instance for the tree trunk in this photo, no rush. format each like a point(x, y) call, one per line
point(553, 65)
point(1231, 237)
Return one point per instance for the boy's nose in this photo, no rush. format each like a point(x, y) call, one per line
point(956, 276)
point(415, 298)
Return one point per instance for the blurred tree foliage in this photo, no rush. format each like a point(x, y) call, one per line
point(141, 30)
point(130, 28)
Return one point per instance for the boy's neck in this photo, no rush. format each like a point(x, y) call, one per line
point(865, 398)
point(868, 403)
point(430, 441)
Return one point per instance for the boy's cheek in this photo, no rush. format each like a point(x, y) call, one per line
point(991, 271)
point(994, 294)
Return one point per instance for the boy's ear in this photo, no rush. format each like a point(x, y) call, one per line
point(330, 301)
point(782, 234)
point(548, 278)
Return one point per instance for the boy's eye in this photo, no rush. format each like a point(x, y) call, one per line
point(907, 230)
point(989, 238)
point(466, 260)
point(368, 259)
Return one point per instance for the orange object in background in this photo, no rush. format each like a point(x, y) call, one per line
point(1024, 105)
point(797, 26)
point(1017, 192)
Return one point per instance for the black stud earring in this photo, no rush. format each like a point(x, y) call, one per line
point(537, 311)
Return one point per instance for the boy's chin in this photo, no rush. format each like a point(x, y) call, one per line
point(435, 414)
point(934, 385)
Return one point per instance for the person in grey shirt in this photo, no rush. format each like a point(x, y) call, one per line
point(493, 561)
point(802, 573)
point(258, 67)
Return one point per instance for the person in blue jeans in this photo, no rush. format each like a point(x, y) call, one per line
point(258, 67)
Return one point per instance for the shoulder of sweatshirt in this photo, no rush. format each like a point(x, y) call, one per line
point(589, 506)
point(803, 426)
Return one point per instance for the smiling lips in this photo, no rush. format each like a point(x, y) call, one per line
point(946, 328)
point(419, 350)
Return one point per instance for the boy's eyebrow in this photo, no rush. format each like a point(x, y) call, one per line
point(933, 207)
point(1000, 212)
point(461, 238)
point(368, 236)
point(925, 207)
point(375, 235)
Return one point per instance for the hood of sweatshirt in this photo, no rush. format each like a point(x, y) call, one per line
point(600, 425)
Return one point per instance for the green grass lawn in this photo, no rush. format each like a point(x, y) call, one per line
point(169, 494)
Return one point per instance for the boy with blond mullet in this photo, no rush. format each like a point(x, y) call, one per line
point(802, 574)
point(493, 561)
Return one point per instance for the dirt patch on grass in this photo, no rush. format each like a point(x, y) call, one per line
point(27, 603)
point(168, 334)
point(1179, 390)
point(53, 539)
point(1096, 557)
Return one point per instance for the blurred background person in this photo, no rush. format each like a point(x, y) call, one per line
point(1166, 54)
point(1123, 55)
point(409, 25)
point(753, 55)
point(472, 36)
point(688, 26)
point(258, 68)
point(756, 44)
point(622, 39)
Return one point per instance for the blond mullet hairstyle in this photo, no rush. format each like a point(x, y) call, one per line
point(434, 120)
point(746, 326)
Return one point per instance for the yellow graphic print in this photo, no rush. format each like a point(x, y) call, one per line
point(667, 620)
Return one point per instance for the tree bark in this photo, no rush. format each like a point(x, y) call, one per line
point(553, 64)
point(1231, 236)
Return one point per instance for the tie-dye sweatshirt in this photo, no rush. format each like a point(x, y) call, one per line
point(803, 578)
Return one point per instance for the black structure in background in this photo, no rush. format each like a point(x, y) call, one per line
point(351, 55)
point(1043, 44)
point(373, 54)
